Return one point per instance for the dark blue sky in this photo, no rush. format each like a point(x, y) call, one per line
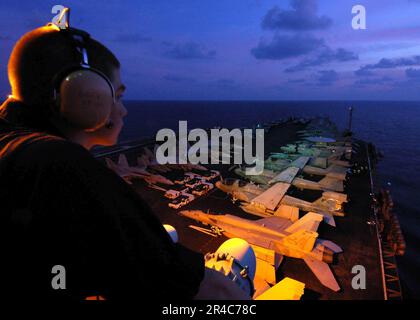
point(243, 49)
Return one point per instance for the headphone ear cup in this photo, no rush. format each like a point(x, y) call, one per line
point(86, 99)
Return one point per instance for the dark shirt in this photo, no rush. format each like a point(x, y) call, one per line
point(60, 206)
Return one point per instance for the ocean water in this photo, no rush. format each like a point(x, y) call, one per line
point(394, 127)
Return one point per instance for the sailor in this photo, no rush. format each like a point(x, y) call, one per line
point(60, 206)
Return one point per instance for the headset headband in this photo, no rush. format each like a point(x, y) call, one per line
point(79, 38)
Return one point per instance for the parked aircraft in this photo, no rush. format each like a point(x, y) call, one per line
point(284, 238)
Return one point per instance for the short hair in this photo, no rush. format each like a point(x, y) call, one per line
point(41, 54)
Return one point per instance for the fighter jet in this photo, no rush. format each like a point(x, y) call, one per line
point(148, 159)
point(123, 163)
point(326, 184)
point(264, 178)
point(283, 156)
point(128, 173)
point(306, 150)
point(278, 164)
point(274, 201)
point(331, 182)
point(123, 172)
point(280, 160)
point(331, 152)
point(334, 171)
point(284, 238)
point(281, 164)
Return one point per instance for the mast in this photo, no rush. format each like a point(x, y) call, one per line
point(350, 118)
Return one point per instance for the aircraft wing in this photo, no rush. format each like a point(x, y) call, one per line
point(250, 195)
point(122, 172)
point(300, 162)
point(285, 176)
point(257, 240)
point(156, 178)
point(139, 171)
point(286, 289)
point(337, 169)
point(323, 272)
point(247, 195)
point(275, 223)
point(271, 197)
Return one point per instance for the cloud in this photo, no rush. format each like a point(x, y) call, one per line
point(131, 37)
point(188, 50)
point(178, 79)
point(391, 63)
point(363, 73)
point(326, 56)
point(373, 82)
point(327, 77)
point(413, 73)
point(285, 46)
point(296, 80)
point(302, 17)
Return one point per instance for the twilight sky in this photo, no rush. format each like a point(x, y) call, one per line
point(243, 49)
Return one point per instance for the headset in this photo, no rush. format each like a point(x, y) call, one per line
point(82, 95)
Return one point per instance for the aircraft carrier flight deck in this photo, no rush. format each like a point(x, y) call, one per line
point(356, 232)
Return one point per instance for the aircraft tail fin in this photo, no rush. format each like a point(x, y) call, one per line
point(122, 160)
point(110, 164)
point(330, 245)
point(323, 272)
point(328, 218)
point(309, 222)
point(122, 172)
point(332, 184)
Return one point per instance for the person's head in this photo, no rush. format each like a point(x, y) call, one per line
point(42, 54)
